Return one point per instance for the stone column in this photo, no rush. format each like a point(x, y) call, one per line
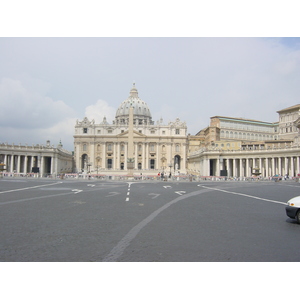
point(158, 166)
point(118, 154)
point(12, 159)
point(143, 156)
point(241, 168)
point(260, 166)
point(115, 166)
point(25, 164)
point(104, 156)
point(247, 167)
point(147, 156)
point(285, 166)
point(19, 164)
point(229, 168)
point(136, 156)
point(5, 161)
point(126, 155)
point(218, 166)
point(234, 167)
point(31, 163)
point(279, 166)
point(42, 166)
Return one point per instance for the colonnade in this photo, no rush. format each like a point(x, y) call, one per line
point(19, 163)
point(266, 166)
point(245, 163)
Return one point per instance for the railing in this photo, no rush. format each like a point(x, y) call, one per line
point(121, 177)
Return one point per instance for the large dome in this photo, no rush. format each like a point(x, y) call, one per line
point(141, 111)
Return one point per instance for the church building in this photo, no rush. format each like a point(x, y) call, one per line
point(132, 143)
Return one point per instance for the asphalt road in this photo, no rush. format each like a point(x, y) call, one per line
point(79, 221)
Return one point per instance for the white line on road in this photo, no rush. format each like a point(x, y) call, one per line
point(118, 250)
point(77, 191)
point(180, 192)
point(128, 193)
point(244, 195)
point(28, 188)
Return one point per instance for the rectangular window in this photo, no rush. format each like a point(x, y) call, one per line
point(152, 164)
point(177, 131)
point(85, 130)
point(109, 163)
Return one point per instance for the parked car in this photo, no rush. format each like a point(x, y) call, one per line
point(293, 208)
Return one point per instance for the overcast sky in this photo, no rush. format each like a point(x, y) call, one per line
point(47, 83)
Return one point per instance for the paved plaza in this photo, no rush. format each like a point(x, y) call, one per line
point(48, 220)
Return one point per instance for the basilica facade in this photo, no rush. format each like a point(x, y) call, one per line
point(132, 142)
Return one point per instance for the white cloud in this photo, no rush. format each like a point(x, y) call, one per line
point(26, 116)
point(100, 110)
point(21, 108)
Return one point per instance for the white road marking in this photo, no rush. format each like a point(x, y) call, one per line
point(76, 191)
point(128, 193)
point(244, 195)
point(167, 187)
point(31, 187)
point(180, 193)
point(118, 250)
point(155, 195)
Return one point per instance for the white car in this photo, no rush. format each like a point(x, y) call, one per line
point(293, 208)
